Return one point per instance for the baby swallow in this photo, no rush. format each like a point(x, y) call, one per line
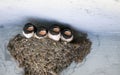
point(54, 32)
point(67, 35)
point(41, 32)
point(28, 30)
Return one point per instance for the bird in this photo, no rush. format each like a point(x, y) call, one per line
point(29, 30)
point(54, 32)
point(67, 35)
point(41, 32)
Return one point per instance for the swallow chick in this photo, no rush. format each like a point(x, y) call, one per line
point(28, 30)
point(67, 35)
point(54, 32)
point(41, 32)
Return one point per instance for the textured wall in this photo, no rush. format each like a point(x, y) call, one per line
point(89, 15)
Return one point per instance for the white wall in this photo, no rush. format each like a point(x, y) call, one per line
point(88, 15)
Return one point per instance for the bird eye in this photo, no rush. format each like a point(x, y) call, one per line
point(67, 33)
point(30, 28)
point(56, 29)
point(43, 32)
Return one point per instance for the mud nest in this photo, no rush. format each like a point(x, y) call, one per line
point(45, 56)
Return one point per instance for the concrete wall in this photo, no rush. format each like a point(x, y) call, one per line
point(88, 15)
point(100, 18)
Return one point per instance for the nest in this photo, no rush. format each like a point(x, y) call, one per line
point(45, 56)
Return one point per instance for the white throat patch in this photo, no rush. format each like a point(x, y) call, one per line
point(39, 37)
point(28, 35)
point(66, 40)
point(54, 37)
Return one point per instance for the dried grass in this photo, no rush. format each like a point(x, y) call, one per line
point(45, 56)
